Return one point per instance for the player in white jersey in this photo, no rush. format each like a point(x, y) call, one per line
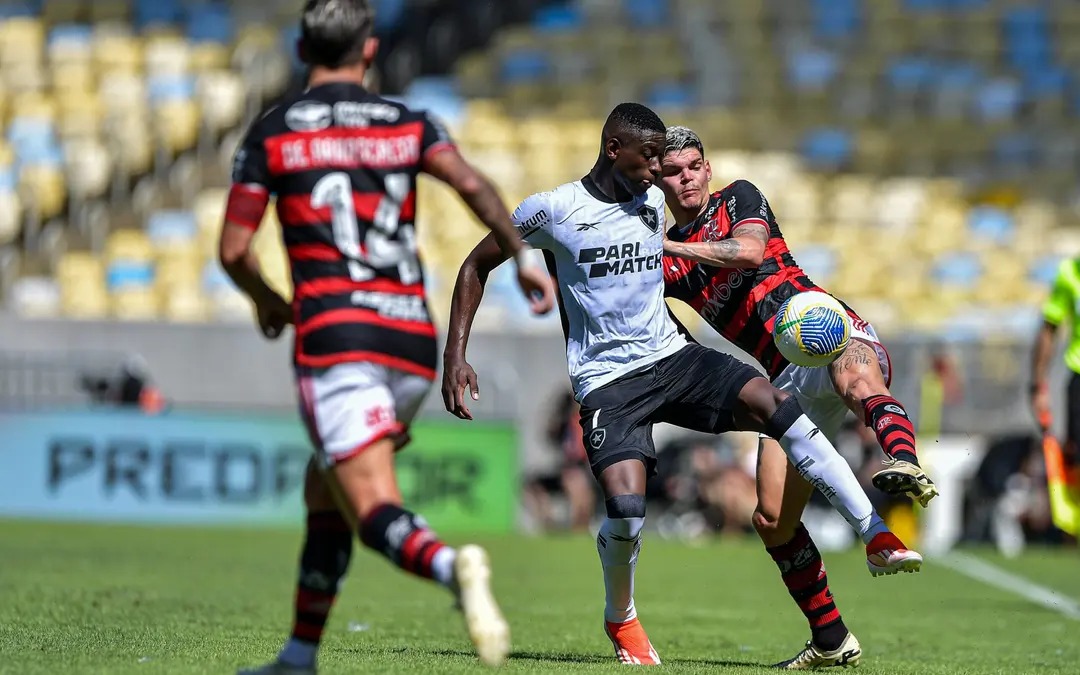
point(629, 365)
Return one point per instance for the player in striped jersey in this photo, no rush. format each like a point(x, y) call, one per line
point(726, 257)
point(343, 164)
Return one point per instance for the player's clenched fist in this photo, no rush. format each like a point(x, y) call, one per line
point(274, 313)
point(457, 375)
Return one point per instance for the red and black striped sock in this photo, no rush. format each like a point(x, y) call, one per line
point(404, 538)
point(804, 575)
point(323, 564)
point(893, 427)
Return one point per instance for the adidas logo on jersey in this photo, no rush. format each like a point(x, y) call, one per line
point(618, 259)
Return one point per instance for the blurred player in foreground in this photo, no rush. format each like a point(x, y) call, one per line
point(343, 163)
point(727, 258)
point(630, 367)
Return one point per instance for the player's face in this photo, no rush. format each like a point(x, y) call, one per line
point(637, 162)
point(685, 177)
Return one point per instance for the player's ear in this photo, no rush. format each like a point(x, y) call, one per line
point(708, 171)
point(611, 148)
point(371, 48)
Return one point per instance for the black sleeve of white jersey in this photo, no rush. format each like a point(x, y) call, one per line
point(436, 138)
point(250, 164)
point(746, 204)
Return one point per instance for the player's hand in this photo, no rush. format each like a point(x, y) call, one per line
point(536, 284)
point(274, 313)
point(457, 375)
point(1040, 406)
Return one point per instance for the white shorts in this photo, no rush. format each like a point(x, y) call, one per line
point(350, 406)
point(813, 387)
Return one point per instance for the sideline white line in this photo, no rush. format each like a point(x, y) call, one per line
point(992, 575)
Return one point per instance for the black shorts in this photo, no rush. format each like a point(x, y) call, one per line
point(1072, 412)
point(695, 388)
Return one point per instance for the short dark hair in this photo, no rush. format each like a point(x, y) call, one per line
point(333, 32)
point(633, 118)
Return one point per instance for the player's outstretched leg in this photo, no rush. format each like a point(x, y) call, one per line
point(814, 457)
point(324, 561)
point(782, 496)
point(368, 487)
point(858, 377)
point(902, 475)
point(618, 542)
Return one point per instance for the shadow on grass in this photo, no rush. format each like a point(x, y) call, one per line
point(565, 657)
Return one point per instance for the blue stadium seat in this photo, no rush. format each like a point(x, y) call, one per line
point(827, 148)
point(991, 224)
point(214, 279)
point(389, 15)
point(670, 95)
point(959, 76)
point(647, 13)
point(811, 69)
point(1044, 269)
point(525, 65)
point(957, 269)
point(835, 19)
point(998, 99)
point(1047, 82)
point(70, 33)
point(1029, 53)
point(171, 225)
point(8, 179)
point(819, 262)
point(150, 12)
point(1015, 149)
point(127, 274)
point(162, 88)
point(558, 19)
point(439, 95)
point(210, 23)
point(910, 74)
point(925, 5)
point(10, 10)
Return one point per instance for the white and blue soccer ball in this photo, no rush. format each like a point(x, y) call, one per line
point(812, 329)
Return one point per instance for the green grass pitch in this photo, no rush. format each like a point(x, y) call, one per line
point(97, 599)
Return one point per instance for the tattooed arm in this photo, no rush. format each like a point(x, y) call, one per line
point(746, 250)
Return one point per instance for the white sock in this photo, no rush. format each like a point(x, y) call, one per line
point(442, 566)
point(819, 462)
point(618, 543)
point(298, 653)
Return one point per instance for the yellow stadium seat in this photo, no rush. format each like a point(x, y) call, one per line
point(128, 245)
point(73, 77)
point(185, 305)
point(42, 189)
point(33, 105)
point(22, 39)
point(81, 116)
point(177, 125)
point(122, 90)
point(101, 11)
point(134, 304)
point(166, 55)
point(10, 217)
point(208, 57)
point(81, 277)
point(176, 270)
point(89, 168)
point(118, 53)
point(221, 99)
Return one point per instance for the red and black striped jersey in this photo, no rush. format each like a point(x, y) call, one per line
point(740, 304)
point(343, 165)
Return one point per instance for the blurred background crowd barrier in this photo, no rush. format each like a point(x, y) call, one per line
point(921, 155)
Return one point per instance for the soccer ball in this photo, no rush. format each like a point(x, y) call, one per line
point(811, 329)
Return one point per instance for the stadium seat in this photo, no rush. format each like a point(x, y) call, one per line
point(36, 298)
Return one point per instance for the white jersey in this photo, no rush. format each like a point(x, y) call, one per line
point(608, 263)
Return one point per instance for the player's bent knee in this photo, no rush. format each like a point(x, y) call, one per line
point(625, 506)
point(626, 516)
